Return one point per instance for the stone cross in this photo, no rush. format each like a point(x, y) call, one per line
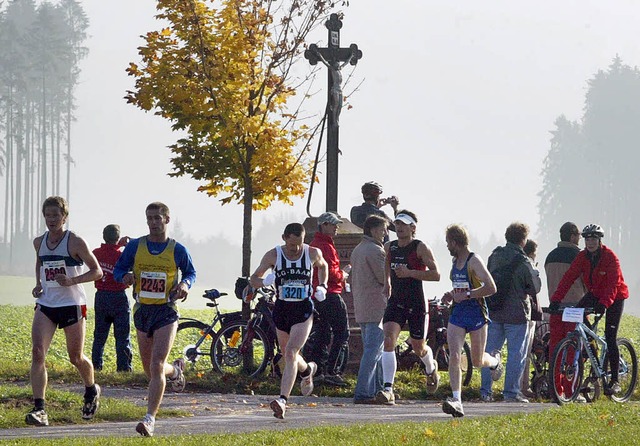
point(334, 58)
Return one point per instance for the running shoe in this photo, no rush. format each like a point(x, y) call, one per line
point(146, 426)
point(486, 398)
point(453, 407)
point(306, 383)
point(335, 380)
point(37, 417)
point(496, 372)
point(91, 405)
point(433, 379)
point(612, 388)
point(178, 383)
point(519, 398)
point(279, 407)
point(386, 397)
point(580, 399)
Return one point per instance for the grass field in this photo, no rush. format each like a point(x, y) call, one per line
point(570, 424)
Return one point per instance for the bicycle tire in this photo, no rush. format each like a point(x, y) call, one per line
point(628, 373)
point(188, 335)
point(567, 365)
point(441, 355)
point(247, 353)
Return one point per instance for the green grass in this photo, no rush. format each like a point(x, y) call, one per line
point(603, 422)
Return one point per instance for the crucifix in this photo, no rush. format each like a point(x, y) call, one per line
point(334, 58)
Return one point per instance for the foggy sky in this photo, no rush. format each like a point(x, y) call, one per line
point(453, 115)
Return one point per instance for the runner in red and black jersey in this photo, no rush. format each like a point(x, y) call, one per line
point(409, 262)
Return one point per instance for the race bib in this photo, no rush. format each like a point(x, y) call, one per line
point(460, 286)
point(51, 269)
point(293, 292)
point(153, 285)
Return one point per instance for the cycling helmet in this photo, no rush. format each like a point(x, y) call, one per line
point(371, 188)
point(591, 230)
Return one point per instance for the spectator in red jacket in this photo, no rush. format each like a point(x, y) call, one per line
point(111, 304)
point(332, 311)
point(601, 273)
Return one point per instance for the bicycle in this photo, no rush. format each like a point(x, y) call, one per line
point(193, 339)
point(247, 347)
point(582, 345)
point(437, 340)
point(539, 358)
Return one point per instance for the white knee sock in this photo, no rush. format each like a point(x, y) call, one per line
point(427, 360)
point(389, 366)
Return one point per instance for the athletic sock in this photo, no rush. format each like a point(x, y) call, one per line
point(283, 397)
point(38, 403)
point(389, 366)
point(306, 372)
point(427, 360)
point(457, 396)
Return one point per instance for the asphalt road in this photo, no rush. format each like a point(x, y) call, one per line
point(217, 413)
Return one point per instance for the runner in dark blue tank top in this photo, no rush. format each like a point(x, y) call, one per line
point(471, 283)
point(291, 265)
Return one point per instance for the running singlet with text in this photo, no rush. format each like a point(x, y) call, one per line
point(406, 287)
point(462, 282)
point(59, 261)
point(293, 277)
point(156, 274)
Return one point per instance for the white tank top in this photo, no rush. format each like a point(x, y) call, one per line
point(54, 261)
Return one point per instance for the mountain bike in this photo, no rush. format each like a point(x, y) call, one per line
point(437, 340)
point(247, 347)
point(194, 337)
point(583, 345)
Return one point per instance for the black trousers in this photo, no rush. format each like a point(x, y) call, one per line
point(331, 322)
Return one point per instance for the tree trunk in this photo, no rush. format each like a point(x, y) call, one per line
point(247, 216)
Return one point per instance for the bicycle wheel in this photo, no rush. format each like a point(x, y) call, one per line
point(628, 371)
point(240, 350)
point(190, 345)
point(566, 371)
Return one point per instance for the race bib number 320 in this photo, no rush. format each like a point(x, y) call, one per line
point(153, 285)
point(293, 292)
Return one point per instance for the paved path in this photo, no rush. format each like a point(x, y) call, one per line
point(217, 413)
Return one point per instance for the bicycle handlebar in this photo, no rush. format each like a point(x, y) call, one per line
point(560, 310)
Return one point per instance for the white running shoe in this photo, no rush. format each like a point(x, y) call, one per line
point(496, 372)
point(306, 383)
point(453, 407)
point(433, 379)
point(145, 427)
point(179, 382)
point(279, 407)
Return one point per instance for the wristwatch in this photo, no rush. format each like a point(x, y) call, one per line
point(468, 294)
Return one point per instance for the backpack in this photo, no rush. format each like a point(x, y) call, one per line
point(503, 277)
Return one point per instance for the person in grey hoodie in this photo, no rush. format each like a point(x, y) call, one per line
point(369, 301)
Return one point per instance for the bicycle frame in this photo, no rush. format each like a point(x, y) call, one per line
point(585, 335)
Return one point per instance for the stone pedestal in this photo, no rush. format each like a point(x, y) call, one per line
point(347, 238)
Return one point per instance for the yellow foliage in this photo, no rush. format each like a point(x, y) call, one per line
point(215, 73)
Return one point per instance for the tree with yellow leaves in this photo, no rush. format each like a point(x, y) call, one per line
point(223, 75)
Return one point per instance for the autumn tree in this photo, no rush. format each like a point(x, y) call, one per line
point(224, 77)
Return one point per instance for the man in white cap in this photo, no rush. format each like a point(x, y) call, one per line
point(409, 262)
point(332, 311)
